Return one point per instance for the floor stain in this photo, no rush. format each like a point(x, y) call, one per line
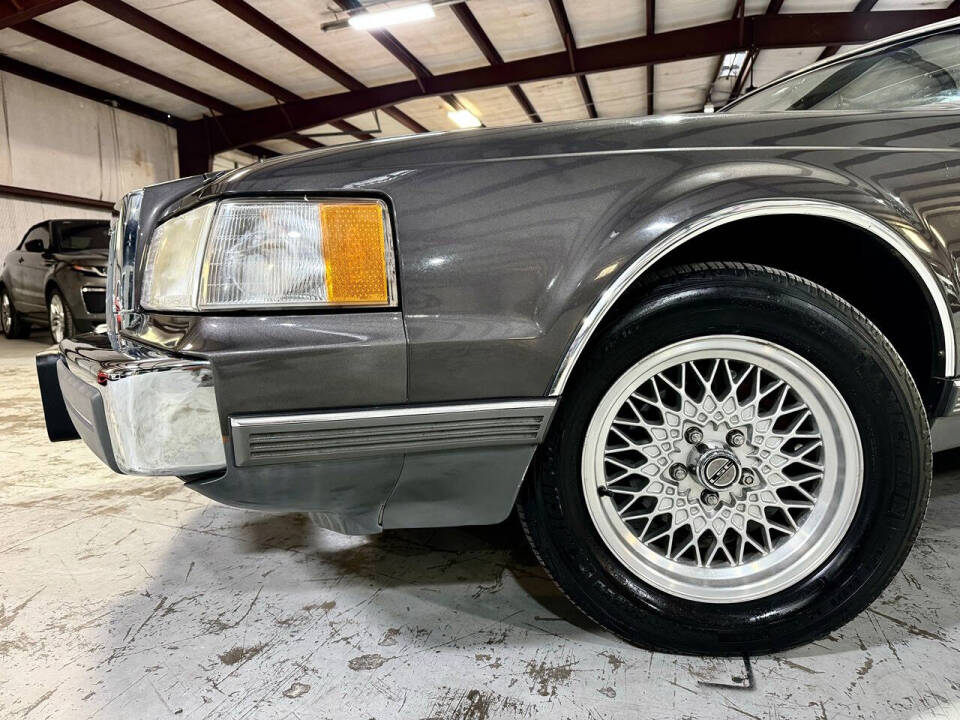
point(296, 690)
point(547, 678)
point(239, 654)
point(366, 662)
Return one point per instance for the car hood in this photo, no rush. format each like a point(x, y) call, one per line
point(369, 164)
point(83, 257)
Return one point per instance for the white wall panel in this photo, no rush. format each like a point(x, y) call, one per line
point(58, 142)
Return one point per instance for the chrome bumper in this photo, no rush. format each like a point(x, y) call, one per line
point(141, 411)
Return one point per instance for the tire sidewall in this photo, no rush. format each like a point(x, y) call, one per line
point(3, 330)
point(868, 373)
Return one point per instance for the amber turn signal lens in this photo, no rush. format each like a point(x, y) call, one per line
point(354, 253)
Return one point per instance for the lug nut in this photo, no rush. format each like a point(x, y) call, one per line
point(710, 498)
point(678, 472)
point(748, 479)
point(694, 435)
point(735, 438)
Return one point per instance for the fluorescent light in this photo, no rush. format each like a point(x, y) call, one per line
point(410, 13)
point(464, 118)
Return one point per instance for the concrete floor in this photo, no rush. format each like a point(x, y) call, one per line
point(136, 598)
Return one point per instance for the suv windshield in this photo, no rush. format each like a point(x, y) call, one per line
point(919, 72)
point(84, 235)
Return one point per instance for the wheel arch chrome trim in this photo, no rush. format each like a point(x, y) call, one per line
point(742, 211)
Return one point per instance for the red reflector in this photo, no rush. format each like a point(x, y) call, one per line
point(102, 378)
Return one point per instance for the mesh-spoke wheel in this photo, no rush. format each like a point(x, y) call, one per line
point(722, 468)
point(739, 463)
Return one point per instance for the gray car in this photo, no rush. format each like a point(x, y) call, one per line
point(703, 356)
point(56, 277)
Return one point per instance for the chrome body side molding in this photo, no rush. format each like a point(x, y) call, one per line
point(305, 437)
point(757, 208)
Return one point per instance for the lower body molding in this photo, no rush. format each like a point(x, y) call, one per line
point(360, 471)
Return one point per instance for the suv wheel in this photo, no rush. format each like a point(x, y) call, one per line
point(740, 465)
point(11, 324)
point(61, 319)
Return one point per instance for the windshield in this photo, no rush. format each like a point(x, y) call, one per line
point(84, 235)
point(921, 72)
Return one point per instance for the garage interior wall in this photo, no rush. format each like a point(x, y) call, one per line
point(59, 142)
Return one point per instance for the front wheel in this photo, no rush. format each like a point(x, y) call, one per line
point(740, 465)
point(61, 319)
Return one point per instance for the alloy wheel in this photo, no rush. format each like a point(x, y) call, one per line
point(57, 318)
point(6, 313)
point(722, 468)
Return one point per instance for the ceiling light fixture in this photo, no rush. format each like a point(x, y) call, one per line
point(464, 119)
point(396, 16)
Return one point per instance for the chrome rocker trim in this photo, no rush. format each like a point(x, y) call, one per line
point(797, 206)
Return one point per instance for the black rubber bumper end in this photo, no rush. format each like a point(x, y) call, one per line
point(59, 425)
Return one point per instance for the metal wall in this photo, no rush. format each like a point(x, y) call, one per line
point(58, 142)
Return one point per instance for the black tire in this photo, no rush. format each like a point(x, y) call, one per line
point(733, 298)
point(69, 329)
point(18, 327)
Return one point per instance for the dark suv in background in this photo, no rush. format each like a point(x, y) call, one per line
point(56, 277)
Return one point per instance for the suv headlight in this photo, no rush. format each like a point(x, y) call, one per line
point(244, 254)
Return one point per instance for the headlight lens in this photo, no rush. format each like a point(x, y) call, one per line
point(242, 254)
point(173, 261)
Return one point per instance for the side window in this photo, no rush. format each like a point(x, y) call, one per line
point(37, 240)
point(923, 72)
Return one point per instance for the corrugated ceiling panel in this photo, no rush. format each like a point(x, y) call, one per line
point(232, 159)
point(808, 6)
point(602, 21)
point(496, 107)
point(388, 128)
point(329, 137)
point(557, 99)
point(430, 112)
point(441, 43)
point(282, 146)
point(620, 93)
point(224, 32)
point(352, 50)
point(677, 14)
point(773, 64)
point(682, 86)
point(97, 28)
point(911, 4)
point(20, 47)
point(519, 28)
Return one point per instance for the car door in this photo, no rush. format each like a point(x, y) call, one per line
point(32, 268)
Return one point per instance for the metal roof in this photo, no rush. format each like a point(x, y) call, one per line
point(503, 60)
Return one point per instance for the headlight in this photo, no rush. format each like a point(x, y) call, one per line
point(90, 270)
point(242, 254)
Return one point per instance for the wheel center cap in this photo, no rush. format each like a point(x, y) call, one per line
point(718, 469)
